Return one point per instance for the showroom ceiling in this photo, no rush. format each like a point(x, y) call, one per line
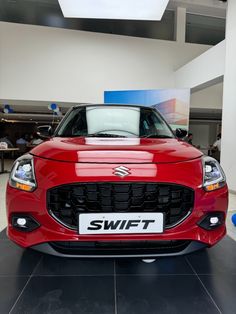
point(48, 13)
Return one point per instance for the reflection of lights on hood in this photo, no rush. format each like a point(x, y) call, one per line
point(83, 170)
point(115, 156)
point(113, 141)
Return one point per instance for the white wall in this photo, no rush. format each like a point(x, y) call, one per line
point(228, 155)
point(210, 98)
point(50, 64)
point(200, 135)
point(204, 133)
point(205, 68)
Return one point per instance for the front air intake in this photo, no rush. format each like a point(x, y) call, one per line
point(65, 202)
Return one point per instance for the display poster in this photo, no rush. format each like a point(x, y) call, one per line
point(173, 104)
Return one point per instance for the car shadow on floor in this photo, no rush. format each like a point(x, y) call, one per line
point(33, 282)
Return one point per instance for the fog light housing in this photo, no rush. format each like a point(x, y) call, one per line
point(212, 221)
point(24, 223)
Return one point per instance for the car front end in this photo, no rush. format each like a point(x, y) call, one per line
point(116, 196)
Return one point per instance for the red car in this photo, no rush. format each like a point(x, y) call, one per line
point(114, 180)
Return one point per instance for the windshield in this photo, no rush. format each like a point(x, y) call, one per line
point(114, 121)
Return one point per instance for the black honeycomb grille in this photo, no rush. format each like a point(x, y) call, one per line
point(67, 201)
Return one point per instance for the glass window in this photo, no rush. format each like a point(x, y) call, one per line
point(114, 121)
point(206, 30)
point(164, 29)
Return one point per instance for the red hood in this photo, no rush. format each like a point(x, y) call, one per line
point(114, 150)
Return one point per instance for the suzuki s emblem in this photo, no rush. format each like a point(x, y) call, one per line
point(121, 171)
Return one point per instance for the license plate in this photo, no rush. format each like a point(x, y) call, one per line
point(121, 223)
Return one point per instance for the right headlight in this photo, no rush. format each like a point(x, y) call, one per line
point(213, 175)
point(22, 176)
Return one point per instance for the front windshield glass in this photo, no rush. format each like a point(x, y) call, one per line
point(114, 121)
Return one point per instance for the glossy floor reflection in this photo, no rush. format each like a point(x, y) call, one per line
point(203, 282)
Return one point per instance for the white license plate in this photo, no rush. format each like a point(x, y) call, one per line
point(121, 223)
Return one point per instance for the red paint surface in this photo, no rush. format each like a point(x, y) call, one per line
point(63, 160)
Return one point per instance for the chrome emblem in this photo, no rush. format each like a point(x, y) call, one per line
point(121, 171)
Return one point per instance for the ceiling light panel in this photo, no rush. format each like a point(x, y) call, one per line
point(114, 9)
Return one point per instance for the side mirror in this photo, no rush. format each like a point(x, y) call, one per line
point(44, 131)
point(181, 133)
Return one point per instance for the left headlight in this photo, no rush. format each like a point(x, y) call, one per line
point(22, 176)
point(213, 175)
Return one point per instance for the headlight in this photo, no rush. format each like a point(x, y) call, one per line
point(213, 174)
point(22, 176)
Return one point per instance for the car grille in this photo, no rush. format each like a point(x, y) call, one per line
point(67, 201)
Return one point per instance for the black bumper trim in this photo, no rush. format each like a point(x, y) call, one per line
point(126, 253)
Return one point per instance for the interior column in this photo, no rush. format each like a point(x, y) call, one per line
point(180, 25)
point(228, 149)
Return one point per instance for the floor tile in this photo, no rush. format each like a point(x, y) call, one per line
point(222, 288)
point(169, 294)
point(67, 295)
point(218, 259)
point(15, 261)
point(173, 265)
point(231, 228)
point(51, 265)
point(10, 289)
point(3, 235)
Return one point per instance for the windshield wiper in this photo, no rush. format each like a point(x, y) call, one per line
point(104, 135)
point(156, 136)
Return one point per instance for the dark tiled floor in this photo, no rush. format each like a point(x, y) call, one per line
point(10, 289)
point(15, 261)
point(219, 259)
point(162, 294)
point(66, 295)
point(222, 287)
point(3, 235)
point(203, 282)
point(175, 265)
point(57, 266)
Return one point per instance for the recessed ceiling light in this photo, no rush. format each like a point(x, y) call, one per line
point(114, 9)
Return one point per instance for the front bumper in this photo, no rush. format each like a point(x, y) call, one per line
point(51, 231)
